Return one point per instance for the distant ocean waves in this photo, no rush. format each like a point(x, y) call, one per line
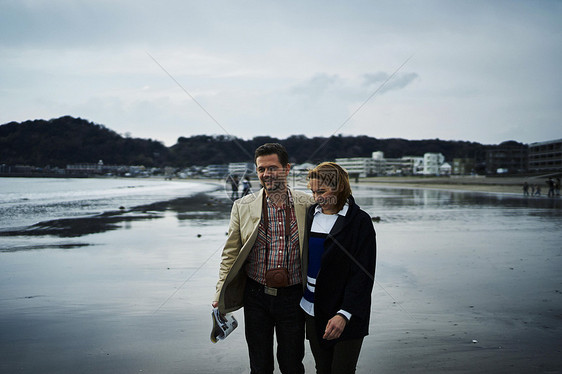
point(27, 201)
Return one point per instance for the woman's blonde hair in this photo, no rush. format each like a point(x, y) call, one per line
point(335, 177)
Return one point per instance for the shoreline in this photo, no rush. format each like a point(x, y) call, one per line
point(477, 183)
point(509, 185)
point(503, 185)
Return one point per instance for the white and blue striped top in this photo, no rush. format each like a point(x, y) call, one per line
point(322, 224)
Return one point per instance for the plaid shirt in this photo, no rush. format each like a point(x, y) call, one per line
point(257, 264)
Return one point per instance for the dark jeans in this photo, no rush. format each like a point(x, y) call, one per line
point(340, 358)
point(265, 313)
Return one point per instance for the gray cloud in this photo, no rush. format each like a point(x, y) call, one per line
point(316, 86)
point(397, 82)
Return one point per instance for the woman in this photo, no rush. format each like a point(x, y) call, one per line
point(340, 271)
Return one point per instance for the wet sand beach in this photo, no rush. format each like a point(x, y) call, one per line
point(458, 183)
point(466, 282)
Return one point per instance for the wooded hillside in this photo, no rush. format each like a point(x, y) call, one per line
point(69, 140)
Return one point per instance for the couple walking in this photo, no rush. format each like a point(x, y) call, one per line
point(279, 240)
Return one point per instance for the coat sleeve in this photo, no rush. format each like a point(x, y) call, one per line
point(361, 277)
point(231, 248)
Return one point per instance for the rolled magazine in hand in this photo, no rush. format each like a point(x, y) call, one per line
point(222, 325)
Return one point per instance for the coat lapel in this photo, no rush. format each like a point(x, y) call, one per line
point(338, 226)
point(301, 215)
point(250, 215)
point(256, 208)
point(342, 220)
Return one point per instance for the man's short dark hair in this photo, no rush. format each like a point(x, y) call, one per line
point(273, 149)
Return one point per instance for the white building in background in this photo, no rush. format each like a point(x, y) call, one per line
point(432, 162)
point(417, 164)
point(406, 165)
point(445, 169)
point(429, 164)
point(362, 166)
point(216, 171)
point(379, 163)
point(302, 169)
point(378, 155)
point(241, 168)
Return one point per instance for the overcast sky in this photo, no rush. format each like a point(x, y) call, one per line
point(484, 71)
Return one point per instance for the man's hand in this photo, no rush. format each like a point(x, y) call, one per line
point(335, 327)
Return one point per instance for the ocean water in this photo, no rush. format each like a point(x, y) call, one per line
point(27, 201)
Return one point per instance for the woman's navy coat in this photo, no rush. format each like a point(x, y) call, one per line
point(347, 272)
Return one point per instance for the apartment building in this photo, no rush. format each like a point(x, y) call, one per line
point(432, 162)
point(507, 158)
point(545, 157)
point(361, 166)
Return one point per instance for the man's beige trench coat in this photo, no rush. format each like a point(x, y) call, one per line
point(242, 233)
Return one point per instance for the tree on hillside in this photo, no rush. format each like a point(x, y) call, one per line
point(69, 140)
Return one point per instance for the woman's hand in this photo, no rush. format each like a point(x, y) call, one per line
point(335, 327)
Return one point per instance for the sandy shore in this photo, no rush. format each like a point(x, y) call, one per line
point(512, 185)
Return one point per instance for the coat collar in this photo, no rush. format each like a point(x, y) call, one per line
point(342, 212)
point(342, 220)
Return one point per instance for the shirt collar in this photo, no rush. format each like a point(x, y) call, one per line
point(342, 212)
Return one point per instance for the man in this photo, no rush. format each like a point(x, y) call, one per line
point(261, 265)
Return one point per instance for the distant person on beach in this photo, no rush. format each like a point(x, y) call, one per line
point(525, 189)
point(340, 271)
point(261, 265)
point(246, 186)
point(234, 183)
point(557, 186)
point(537, 189)
point(550, 184)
